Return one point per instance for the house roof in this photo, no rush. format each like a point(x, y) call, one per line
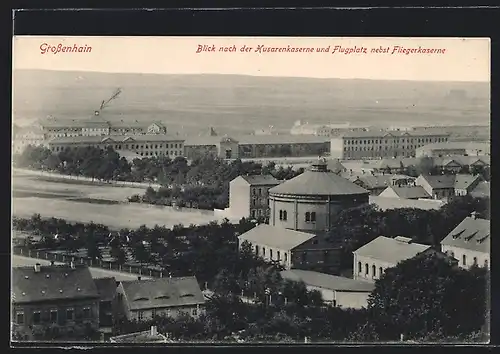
point(397, 162)
point(482, 190)
point(53, 282)
point(456, 145)
point(374, 181)
point(260, 179)
point(410, 192)
point(277, 237)
point(390, 250)
point(121, 139)
point(396, 203)
point(395, 133)
point(440, 181)
point(472, 234)
point(106, 287)
point(162, 292)
point(463, 181)
point(327, 281)
point(281, 139)
point(335, 166)
point(318, 181)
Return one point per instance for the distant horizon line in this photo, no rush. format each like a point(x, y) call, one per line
point(249, 75)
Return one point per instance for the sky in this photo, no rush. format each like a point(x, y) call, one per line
point(464, 59)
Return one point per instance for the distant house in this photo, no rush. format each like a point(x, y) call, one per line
point(469, 242)
point(249, 195)
point(106, 287)
point(62, 297)
point(377, 183)
point(482, 190)
point(336, 291)
point(157, 128)
point(372, 259)
point(290, 248)
point(151, 336)
point(336, 166)
point(406, 192)
point(445, 186)
point(454, 148)
point(397, 203)
point(144, 299)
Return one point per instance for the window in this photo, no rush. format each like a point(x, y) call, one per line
point(486, 263)
point(284, 215)
point(195, 312)
point(20, 317)
point(86, 312)
point(254, 191)
point(271, 254)
point(366, 268)
point(281, 214)
point(37, 317)
point(53, 316)
point(279, 256)
point(70, 314)
point(257, 250)
point(475, 261)
point(374, 271)
point(260, 191)
point(263, 251)
point(286, 257)
point(464, 260)
point(141, 315)
point(308, 216)
point(360, 267)
point(380, 271)
point(313, 216)
point(253, 214)
point(153, 313)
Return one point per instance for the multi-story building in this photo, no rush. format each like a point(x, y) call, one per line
point(405, 192)
point(106, 287)
point(25, 136)
point(469, 242)
point(144, 299)
point(373, 144)
point(249, 195)
point(454, 148)
point(143, 145)
point(63, 298)
point(372, 259)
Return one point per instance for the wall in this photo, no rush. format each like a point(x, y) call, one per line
point(193, 311)
point(458, 253)
point(370, 261)
point(239, 198)
point(317, 254)
point(337, 148)
point(273, 254)
point(389, 193)
point(260, 201)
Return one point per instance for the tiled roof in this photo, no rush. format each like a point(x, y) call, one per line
point(201, 140)
point(162, 293)
point(397, 162)
point(55, 282)
point(374, 181)
point(335, 165)
point(463, 181)
point(472, 234)
point(260, 179)
point(318, 182)
point(440, 181)
point(482, 190)
point(327, 281)
point(106, 287)
point(277, 237)
point(117, 139)
point(410, 192)
point(390, 250)
point(395, 203)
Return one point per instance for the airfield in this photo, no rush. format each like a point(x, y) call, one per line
point(103, 204)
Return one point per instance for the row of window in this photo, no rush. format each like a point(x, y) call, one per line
point(309, 216)
point(259, 212)
point(54, 315)
point(154, 313)
point(379, 148)
point(397, 141)
point(367, 270)
point(278, 254)
point(464, 260)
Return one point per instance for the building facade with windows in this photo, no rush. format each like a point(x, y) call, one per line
point(372, 259)
point(453, 148)
point(63, 298)
point(142, 300)
point(310, 201)
point(249, 195)
point(376, 144)
point(469, 242)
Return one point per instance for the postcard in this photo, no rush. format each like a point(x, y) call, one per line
point(247, 190)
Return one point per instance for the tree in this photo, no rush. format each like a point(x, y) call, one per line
point(427, 294)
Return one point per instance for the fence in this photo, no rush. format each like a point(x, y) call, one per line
point(102, 264)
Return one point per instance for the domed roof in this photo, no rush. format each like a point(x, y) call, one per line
point(320, 181)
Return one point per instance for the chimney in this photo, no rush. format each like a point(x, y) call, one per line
point(72, 265)
point(473, 215)
point(154, 331)
point(139, 277)
point(37, 268)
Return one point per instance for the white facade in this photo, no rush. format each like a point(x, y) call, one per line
point(467, 258)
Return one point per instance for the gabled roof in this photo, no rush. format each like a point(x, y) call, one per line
point(318, 181)
point(440, 181)
point(463, 181)
point(335, 166)
point(106, 287)
point(472, 234)
point(55, 282)
point(397, 203)
point(277, 237)
point(482, 190)
point(162, 293)
point(328, 281)
point(390, 250)
point(263, 180)
point(375, 181)
point(410, 192)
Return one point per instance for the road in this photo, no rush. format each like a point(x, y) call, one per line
point(19, 261)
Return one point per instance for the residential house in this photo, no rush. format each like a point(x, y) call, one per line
point(482, 190)
point(406, 192)
point(144, 299)
point(249, 195)
point(290, 248)
point(377, 183)
point(465, 184)
point(469, 242)
point(446, 186)
point(454, 148)
point(335, 290)
point(106, 287)
point(151, 336)
point(372, 259)
point(63, 298)
point(397, 203)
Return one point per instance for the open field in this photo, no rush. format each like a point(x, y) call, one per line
point(100, 204)
point(20, 261)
